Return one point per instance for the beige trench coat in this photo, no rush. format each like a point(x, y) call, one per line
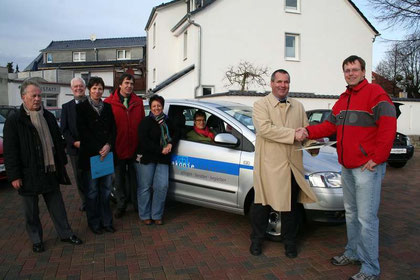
point(276, 156)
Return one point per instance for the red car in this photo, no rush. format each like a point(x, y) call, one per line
point(2, 168)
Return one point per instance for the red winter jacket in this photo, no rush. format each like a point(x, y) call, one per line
point(127, 122)
point(365, 123)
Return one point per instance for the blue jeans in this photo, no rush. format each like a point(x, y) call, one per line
point(97, 192)
point(153, 181)
point(362, 193)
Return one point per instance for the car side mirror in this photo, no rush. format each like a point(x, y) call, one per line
point(226, 139)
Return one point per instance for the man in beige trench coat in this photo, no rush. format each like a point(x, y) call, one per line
point(279, 180)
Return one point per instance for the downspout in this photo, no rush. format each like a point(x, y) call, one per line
point(199, 54)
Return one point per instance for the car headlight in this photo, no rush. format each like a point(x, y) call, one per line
point(325, 180)
point(408, 141)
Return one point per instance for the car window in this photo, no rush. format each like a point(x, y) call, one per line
point(315, 118)
point(241, 113)
point(2, 119)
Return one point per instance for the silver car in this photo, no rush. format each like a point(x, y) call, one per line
point(219, 175)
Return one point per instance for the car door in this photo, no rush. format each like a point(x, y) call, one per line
point(203, 173)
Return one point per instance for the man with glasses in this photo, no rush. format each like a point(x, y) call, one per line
point(364, 120)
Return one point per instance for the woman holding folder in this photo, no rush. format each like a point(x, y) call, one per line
point(96, 127)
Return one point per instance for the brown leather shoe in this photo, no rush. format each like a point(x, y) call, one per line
point(159, 222)
point(147, 222)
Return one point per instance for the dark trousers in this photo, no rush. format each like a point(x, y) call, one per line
point(289, 219)
point(97, 192)
point(125, 183)
point(57, 210)
point(78, 175)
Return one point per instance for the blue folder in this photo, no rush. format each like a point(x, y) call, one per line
point(100, 168)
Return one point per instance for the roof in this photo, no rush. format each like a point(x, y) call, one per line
point(261, 94)
point(173, 78)
point(89, 64)
point(206, 3)
point(33, 66)
point(98, 43)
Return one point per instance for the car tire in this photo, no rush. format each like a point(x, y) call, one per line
point(397, 164)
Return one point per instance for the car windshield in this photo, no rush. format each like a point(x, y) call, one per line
point(241, 113)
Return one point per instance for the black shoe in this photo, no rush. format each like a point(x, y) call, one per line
point(96, 230)
point(110, 229)
point(290, 251)
point(73, 240)
point(119, 213)
point(38, 247)
point(255, 249)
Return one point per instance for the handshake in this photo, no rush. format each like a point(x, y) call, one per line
point(301, 134)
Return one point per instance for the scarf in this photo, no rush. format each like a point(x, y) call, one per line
point(205, 132)
point(41, 126)
point(165, 138)
point(97, 106)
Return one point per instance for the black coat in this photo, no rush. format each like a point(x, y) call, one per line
point(69, 127)
point(94, 131)
point(149, 141)
point(24, 158)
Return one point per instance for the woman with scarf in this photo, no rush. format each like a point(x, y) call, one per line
point(96, 127)
point(157, 138)
point(201, 132)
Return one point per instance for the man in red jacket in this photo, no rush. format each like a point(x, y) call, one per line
point(365, 123)
point(128, 112)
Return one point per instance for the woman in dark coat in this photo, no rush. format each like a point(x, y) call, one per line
point(96, 127)
point(157, 138)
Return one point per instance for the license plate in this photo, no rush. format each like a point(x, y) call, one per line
point(398, 151)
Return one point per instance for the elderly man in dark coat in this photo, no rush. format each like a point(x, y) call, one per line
point(35, 163)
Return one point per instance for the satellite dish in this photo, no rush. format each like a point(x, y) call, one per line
point(93, 37)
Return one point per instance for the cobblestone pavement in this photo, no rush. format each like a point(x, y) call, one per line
point(200, 243)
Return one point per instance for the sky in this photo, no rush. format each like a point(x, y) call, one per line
point(28, 26)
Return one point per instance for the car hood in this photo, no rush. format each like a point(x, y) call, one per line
point(326, 160)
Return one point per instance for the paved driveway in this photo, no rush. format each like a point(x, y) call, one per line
point(199, 243)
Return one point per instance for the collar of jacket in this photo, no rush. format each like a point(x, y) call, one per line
point(357, 88)
point(114, 99)
point(274, 101)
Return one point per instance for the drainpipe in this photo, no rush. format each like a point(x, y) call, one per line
point(199, 54)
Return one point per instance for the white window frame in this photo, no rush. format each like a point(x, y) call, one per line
point(126, 54)
point(296, 56)
point(49, 58)
point(154, 34)
point(185, 55)
point(291, 9)
point(79, 56)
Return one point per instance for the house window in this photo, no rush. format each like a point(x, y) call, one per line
point(154, 35)
point(292, 6)
point(292, 46)
point(185, 45)
point(85, 77)
point(154, 75)
point(123, 54)
point(79, 56)
point(49, 58)
point(208, 90)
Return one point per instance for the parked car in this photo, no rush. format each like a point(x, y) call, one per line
point(2, 168)
point(402, 149)
point(220, 175)
point(2, 121)
point(56, 112)
point(6, 110)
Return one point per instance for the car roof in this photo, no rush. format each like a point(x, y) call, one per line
point(214, 104)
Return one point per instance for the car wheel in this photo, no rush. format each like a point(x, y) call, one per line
point(273, 232)
point(397, 164)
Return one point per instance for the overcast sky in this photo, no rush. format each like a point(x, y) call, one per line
point(27, 26)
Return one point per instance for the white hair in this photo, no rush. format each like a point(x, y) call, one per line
point(77, 79)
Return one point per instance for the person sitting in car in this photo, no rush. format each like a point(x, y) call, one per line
point(201, 132)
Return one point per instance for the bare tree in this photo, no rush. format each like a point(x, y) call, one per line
point(405, 13)
point(401, 66)
point(246, 74)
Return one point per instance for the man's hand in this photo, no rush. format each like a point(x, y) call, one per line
point(76, 144)
point(370, 165)
point(104, 151)
point(17, 184)
point(301, 134)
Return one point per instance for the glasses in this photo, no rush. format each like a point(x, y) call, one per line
point(355, 70)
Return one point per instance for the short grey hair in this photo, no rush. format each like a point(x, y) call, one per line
point(77, 79)
point(26, 83)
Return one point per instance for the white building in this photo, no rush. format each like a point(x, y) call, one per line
point(191, 44)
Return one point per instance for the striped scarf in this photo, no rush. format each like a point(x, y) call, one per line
point(165, 138)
